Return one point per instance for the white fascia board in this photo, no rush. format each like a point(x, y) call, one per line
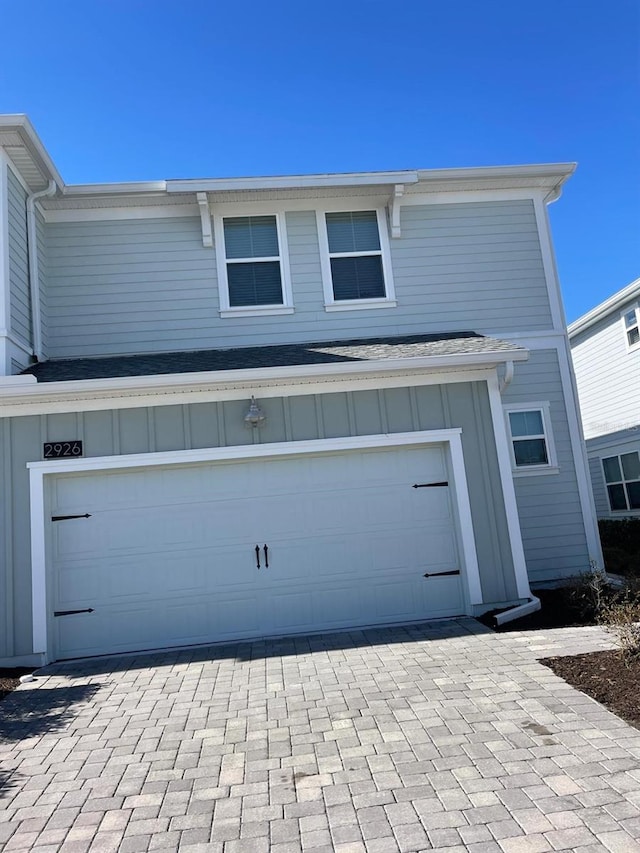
point(553, 171)
point(21, 124)
point(126, 188)
point(350, 179)
point(131, 391)
point(612, 304)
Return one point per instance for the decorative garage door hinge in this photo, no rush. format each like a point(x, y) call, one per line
point(441, 574)
point(429, 485)
point(68, 517)
point(72, 612)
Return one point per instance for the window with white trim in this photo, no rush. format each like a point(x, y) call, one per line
point(622, 478)
point(356, 264)
point(631, 321)
point(252, 265)
point(531, 445)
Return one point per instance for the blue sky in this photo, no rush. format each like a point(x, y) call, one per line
point(132, 90)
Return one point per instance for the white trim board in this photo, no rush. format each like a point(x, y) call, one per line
point(39, 470)
point(169, 389)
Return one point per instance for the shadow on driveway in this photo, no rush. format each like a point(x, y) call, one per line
point(250, 650)
point(31, 713)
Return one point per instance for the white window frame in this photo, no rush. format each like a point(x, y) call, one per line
point(626, 329)
point(228, 310)
point(330, 303)
point(551, 467)
point(616, 513)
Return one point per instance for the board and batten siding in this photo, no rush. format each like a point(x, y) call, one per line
point(19, 293)
point(607, 375)
point(132, 286)
point(551, 520)
point(181, 427)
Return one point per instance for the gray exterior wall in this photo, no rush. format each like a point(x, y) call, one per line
point(130, 286)
point(607, 374)
point(20, 297)
point(614, 444)
point(220, 424)
point(551, 519)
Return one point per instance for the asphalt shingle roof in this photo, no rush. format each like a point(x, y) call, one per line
point(284, 355)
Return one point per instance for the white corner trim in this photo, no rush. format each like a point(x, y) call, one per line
point(5, 309)
point(394, 210)
point(39, 470)
point(579, 451)
point(508, 490)
point(549, 265)
point(38, 562)
point(467, 534)
point(205, 219)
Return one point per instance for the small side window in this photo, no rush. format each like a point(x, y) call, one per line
point(622, 478)
point(631, 321)
point(530, 440)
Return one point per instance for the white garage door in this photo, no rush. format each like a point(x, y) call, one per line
point(219, 551)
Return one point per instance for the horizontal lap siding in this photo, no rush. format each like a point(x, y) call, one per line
point(549, 507)
point(199, 425)
point(607, 377)
point(20, 298)
point(150, 285)
point(599, 488)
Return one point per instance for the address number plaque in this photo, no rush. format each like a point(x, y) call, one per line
point(61, 449)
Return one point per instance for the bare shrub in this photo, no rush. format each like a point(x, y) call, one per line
point(621, 616)
point(588, 594)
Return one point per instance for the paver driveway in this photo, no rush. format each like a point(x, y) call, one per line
point(443, 736)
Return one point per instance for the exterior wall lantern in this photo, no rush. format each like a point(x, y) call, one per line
point(255, 417)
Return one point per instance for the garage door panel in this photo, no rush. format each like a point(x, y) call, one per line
point(168, 556)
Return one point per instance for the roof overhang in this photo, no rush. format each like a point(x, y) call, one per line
point(613, 303)
point(23, 145)
point(22, 395)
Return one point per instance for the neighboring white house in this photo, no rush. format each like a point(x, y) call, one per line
point(605, 346)
point(236, 408)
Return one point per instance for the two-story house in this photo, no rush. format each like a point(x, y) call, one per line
point(236, 408)
point(605, 346)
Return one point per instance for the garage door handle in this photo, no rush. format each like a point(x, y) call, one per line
point(441, 574)
point(258, 556)
point(266, 557)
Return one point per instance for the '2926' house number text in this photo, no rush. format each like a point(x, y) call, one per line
point(61, 449)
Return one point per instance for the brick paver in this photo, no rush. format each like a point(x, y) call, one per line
point(442, 736)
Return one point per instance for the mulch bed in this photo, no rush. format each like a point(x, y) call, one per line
point(606, 677)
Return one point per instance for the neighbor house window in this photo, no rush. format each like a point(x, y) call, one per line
point(356, 263)
point(631, 320)
point(252, 264)
point(530, 439)
point(622, 477)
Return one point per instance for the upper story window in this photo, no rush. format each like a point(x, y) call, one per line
point(622, 476)
point(252, 265)
point(631, 320)
point(356, 264)
point(531, 445)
